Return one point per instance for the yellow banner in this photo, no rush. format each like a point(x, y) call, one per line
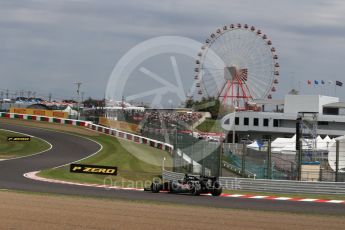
point(40, 112)
point(121, 125)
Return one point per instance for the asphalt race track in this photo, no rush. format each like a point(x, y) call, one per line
point(68, 148)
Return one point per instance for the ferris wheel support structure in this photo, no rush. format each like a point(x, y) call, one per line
point(249, 70)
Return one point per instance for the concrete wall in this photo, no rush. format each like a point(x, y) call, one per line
point(306, 103)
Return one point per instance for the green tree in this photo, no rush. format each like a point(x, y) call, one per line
point(211, 105)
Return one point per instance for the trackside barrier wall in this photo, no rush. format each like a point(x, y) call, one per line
point(168, 175)
point(56, 120)
point(98, 128)
point(132, 137)
point(280, 186)
point(237, 170)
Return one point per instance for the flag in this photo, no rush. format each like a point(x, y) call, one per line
point(330, 82)
point(322, 82)
point(309, 82)
point(316, 82)
point(338, 83)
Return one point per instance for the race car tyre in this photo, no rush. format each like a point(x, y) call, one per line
point(168, 186)
point(147, 189)
point(196, 190)
point(155, 187)
point(217, 189)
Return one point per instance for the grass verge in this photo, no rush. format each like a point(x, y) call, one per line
point(137, 164)
point(210, 125)
point(11, 149)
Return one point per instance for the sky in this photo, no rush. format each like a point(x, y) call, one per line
point(46, 46)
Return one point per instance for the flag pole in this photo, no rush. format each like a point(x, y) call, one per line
point(299, 86)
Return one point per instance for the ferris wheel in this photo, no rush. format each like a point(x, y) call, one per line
point(249, 68)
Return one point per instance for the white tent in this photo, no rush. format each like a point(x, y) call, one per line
point(332, 154)
point(293, 138)
point(327, 139)
point(278, 144)
point(324, 144)
point(70, 111)
point(319, 139)
point(321, 144)
point(254, 145)
point(289, 148)
point(288, 145)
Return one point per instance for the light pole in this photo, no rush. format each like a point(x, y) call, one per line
point(175, 151)
point(234, 127)
point(327, 152)
point(163, 163)
point(337, 147)
point(82, 98)
point(78, 92)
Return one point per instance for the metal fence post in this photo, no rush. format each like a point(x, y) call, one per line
point(299, 148)
point(174, 159)
point(191, 166)
point(181, 161)
point(220, 158)
point(321, 175)
point(269, 160)
point(244, 151)
point(337, 161)
point(203, 157)
point(299, 166)
point(292, 174)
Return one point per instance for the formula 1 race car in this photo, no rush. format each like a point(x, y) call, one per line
point(189, 184)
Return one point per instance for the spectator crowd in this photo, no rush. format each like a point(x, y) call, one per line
point(156, 118)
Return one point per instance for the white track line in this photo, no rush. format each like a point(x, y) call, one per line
point(335, 201)
point(100, 149)
point(308, 200)
point(33, 176)
point(50, 145)
point(282, 198)
point(235, 195)
point(258, 197)
point(67, 133)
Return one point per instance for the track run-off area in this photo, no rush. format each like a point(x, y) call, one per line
point(67, 148)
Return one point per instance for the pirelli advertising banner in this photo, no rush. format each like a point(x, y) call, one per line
point(124, 126)
point(40, 112)
point(18, 138)
point(93, 169)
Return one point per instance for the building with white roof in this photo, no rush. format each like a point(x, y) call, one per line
point(282, 122)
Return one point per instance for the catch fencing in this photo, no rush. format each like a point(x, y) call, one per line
point(205, 155)
point(272, 186)
point(271, 161)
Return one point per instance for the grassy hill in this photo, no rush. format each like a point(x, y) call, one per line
point(210, 125)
